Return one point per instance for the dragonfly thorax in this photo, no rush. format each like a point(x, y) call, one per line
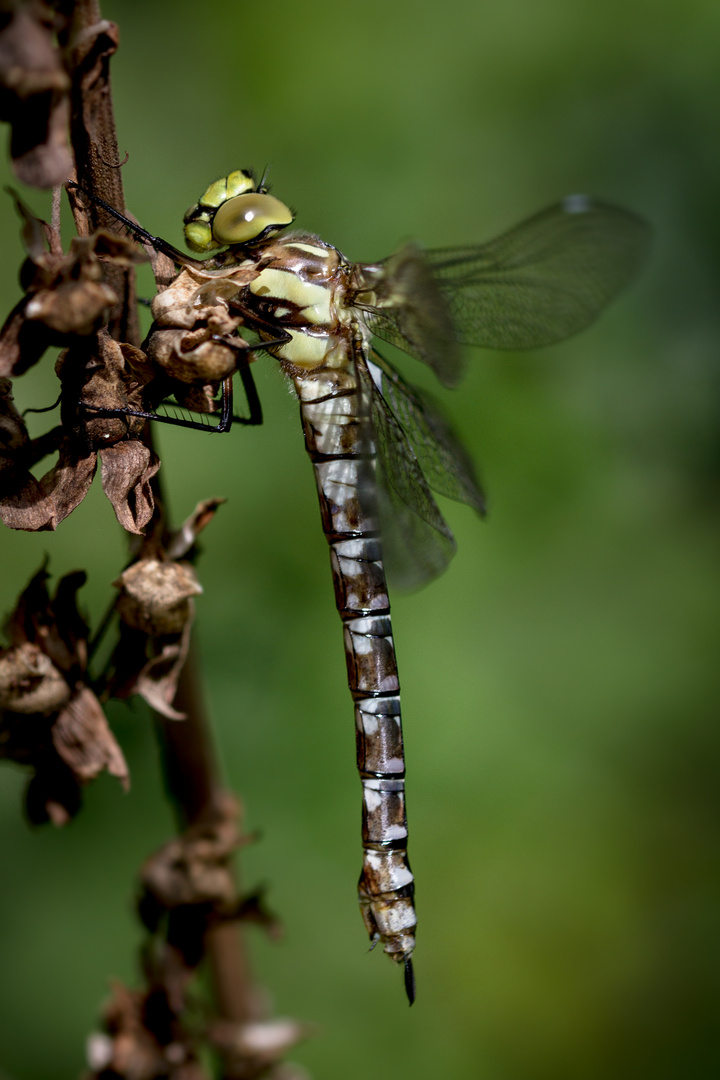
point(302, 287)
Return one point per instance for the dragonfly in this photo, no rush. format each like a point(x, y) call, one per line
point(380, 450)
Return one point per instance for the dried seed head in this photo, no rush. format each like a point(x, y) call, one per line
point(155, 596)
point(194, 869)
point(76, 307)
point(192, 356)
point(30, 682)
point(191, 315)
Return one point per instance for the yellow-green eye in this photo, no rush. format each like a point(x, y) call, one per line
point(233, 211)
point(247, 217)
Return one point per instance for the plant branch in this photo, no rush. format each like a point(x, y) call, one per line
point(189, 755)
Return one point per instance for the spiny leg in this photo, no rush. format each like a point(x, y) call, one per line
point(227, 418)
point(138, 232)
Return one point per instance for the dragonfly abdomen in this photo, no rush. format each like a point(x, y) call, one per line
point(385, 888)
point(336, 436)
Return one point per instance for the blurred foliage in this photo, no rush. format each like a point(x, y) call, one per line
point(560, 682)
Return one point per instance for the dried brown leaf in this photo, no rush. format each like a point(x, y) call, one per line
point(66, 636)
point(34, 505)
point(156, 611)
point(83, 740)
point(199, 399)
point(147, 1037)
point(157, 682)
point(114, 249)
point(101, 379)
point(64, 486)
point(127, 470)
point(18, 487)
point(22, 343)
point(39, 145)
point(184, 539)
point(192, 356)
point(66, 295)
point(32, 613)
point(51, 720)
point(35, 233)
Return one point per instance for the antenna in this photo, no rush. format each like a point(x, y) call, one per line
point(261, 186)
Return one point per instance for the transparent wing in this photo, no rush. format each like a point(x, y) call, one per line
point(416, 451)
point(444, 462)
point(542, 281)
point(412, 312)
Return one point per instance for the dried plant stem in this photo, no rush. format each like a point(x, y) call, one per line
point(189, 755)
point(192, 776)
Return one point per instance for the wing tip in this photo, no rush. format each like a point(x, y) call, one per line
point(577, 204)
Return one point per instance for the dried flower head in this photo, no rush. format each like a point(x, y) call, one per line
point(156, 614)
point(34, 92)
point(50, 718)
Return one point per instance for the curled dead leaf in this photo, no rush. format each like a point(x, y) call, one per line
point(127, 471)
point(83, 740)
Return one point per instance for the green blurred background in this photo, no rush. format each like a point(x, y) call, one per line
point(560, 682)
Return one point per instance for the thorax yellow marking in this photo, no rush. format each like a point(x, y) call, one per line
point(312, 300)
point(311, 249)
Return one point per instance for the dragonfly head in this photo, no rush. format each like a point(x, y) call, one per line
point(234, 210)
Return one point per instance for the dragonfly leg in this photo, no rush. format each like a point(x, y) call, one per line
point(226, 409)
point(177, 421)
point(226, 418)
point(138, 232)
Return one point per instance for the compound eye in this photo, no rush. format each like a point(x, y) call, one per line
point(247, 217)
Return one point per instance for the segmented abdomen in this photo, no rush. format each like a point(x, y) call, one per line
point(337, 439)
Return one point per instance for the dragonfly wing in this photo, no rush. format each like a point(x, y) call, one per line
point(442, 458)
point(544, 280)
point(415, 450)
point(412, 313)
point(417, 542)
